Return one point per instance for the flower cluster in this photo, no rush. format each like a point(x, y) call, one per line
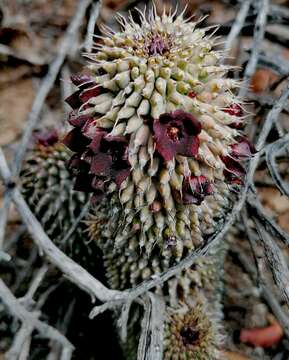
point(102, 158)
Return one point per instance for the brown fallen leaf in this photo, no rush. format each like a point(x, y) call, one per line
point(16, 101)
point(262, 80)
point(283, 221)
point(263, 337)
point(23, 45)
point(10, 74)
point(234, 356)
point(272, 199)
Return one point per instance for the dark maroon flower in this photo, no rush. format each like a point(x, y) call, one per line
point(108, 160)
point(176, 133)
point(234, 171)
point(75, 140)
point(195, 189)
point(46, 138)
point(99, 160)
point(234, 110)
point(243, 149)
point(239, 125)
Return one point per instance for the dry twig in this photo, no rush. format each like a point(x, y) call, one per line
point(237, 25)
point(259, 32)
point(31, 320)
point(39, 100)
point(261, 278)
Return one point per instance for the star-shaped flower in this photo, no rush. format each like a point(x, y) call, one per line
point(176, 133)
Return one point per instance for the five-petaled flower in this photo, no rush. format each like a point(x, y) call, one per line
point(176, 133)
point(195, 189)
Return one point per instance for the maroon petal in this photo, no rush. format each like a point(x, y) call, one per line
point(191, 199)
point(89, 93)
point(75, 141)
point(243, 149)
point(191, 124)
point(98, 135)
point(234, 172)
point(165, 118)
point(166, 148)
point(121, 176)
point(190, 147)
point(101, 164)
point(90, 129)
point(239, 125)
point(76, 164)
point(81, 79)
point(73, 100)
point(78, 120)
point(118, 139)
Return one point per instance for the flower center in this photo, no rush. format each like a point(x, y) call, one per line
point(156, 44)
point(174, 133)
point(189, 335)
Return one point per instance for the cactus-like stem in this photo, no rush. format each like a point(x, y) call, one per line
point(157, 139)
point(157, 134)
point(48, 189)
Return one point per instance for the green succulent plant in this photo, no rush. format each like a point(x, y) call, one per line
point(157, 140)
point(47, 186)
